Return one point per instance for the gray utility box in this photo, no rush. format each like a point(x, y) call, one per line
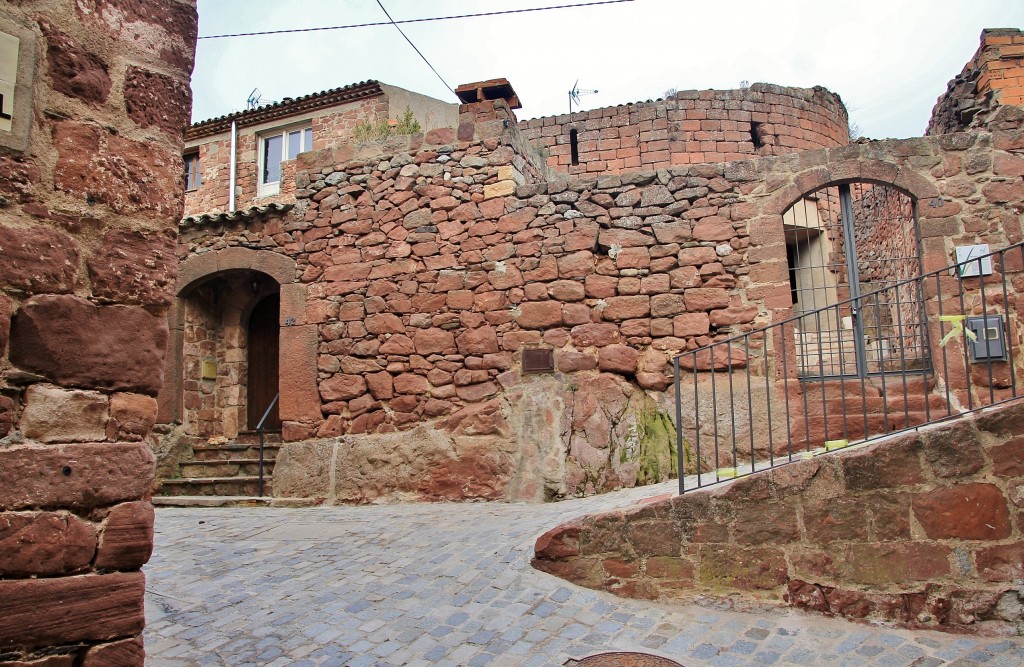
point(991, 342)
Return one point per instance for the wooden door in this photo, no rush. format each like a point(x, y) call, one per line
point(263, 362)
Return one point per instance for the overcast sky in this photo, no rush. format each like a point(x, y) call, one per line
point(889, 60)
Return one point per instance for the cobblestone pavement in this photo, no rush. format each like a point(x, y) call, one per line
point(451, 584)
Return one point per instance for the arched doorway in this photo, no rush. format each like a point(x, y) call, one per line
point(263, 352)
point(852, 250)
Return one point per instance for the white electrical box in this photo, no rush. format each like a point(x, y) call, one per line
point(973, 260)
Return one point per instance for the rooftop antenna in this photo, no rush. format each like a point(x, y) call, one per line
point(255, 99)
point(574, 95)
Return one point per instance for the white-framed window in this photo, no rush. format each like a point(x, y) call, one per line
point(277, 146)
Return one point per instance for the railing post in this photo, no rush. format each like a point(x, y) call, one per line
point(260, 428)
point(681, 466)
point(259, 492)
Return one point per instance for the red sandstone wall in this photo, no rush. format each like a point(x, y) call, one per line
point(86, 213)
point(427, 271)
point(993, 77)
point(925, 530)
point(693, 127)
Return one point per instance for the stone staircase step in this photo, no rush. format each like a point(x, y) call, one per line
point(234, 450)
point(241, 485)
point(211, 501)
point(253, 437)
point(224, 467)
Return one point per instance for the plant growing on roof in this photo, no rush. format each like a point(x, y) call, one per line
point(368, 130)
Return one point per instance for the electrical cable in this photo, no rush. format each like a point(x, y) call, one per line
point(414, 47)
point(423, 20)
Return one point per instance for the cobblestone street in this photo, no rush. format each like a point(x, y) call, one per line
point(445, 584)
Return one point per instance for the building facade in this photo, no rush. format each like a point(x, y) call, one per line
point(491, 309)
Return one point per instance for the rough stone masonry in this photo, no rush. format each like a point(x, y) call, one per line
point(90, 189)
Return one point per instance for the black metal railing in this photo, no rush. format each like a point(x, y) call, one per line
point(261, 429)
point(767, 397)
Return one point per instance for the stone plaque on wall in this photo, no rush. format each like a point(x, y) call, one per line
point(17, 71)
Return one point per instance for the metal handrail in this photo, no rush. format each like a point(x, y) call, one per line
point(260, 428)
point(940, 377)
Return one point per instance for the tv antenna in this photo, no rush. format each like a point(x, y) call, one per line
point(574, 95)
point(255, 99)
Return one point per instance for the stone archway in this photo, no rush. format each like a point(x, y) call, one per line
point(225, 272)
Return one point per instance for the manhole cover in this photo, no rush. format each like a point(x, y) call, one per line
point(620, 659)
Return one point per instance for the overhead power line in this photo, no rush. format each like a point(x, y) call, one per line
point(423, 20)
point(414, 47)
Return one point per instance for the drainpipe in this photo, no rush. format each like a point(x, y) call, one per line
point(232, 168)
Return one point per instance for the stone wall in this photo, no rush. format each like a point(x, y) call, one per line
point(692, 127)
point(87, 200)
point(427, 266)
point(926, 530)
point(993, 77)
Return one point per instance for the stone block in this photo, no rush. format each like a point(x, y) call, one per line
point(890, 464)
point(75, 343)
point(300, 398)
point(156, 100)
point(124, 653)
point(714, 228)
point(667, 305)
point(620, 359)
point(723, 566)
point(1008, 458)
point(38, 260)
point(976, 511)
point(44, 544)
point(481, 340)
point(88, 608)
point(594, 334)
point(342, 387)
point(772, 523)
point(74, 475)
point(618, 308)
point(53, 414)
point(131, 416)
point(1004, 562)
point(691, 324)
point(384, 323)
point(94, 163)
point(302, 470)
point(953, 451)
point(539, 314)
point(434, 341)
point(733, 315)
point(562, 541)
point(706, 298)
point(499, 189)
point(883, 563)
point(126, 539)
point(74, 70)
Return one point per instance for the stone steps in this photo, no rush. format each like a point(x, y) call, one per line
point(238, 485)
point(224, 469)
point(233, 451)
point(871, 409)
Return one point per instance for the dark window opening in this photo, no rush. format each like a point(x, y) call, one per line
point(574, 146)
point(755, 135)
point(791, 260)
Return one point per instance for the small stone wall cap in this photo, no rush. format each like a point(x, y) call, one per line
point(492, 89)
